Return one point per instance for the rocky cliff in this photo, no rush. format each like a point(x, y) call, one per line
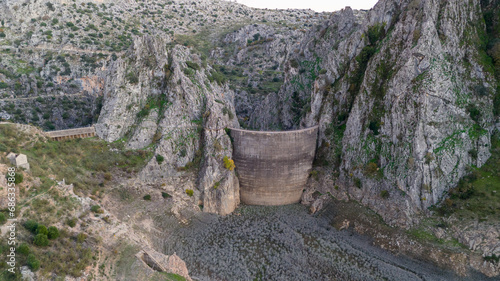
point(403, 96)
point(163, 98)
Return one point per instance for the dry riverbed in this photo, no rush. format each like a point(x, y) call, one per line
point(287, 243)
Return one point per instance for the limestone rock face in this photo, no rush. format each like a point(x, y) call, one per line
point(129, 83)
point(220, 185)
point(396, 92)
point(165, 99)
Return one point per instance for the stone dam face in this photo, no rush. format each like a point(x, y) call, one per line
point(273, 167)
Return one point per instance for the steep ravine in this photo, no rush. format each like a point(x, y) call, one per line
point(402, 95)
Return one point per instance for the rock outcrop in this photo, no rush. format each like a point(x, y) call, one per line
point(397, 94)
point(163, 263)
point(165, 98)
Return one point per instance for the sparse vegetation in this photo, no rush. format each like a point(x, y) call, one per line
point(478, 192)
point(357, 183)
point(384, 194)
point(159, 159)
point(228, 163)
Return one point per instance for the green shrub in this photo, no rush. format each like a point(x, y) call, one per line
point(132, 77)
point(193, 65)
point(473, 153)
point(474, 112)
point(159, 158)
point(429, 157)
point(384, 194)
point(357, 182)
point(96, 209)
point(42, 229)
point(217, 77)
point(3, 85)
point(143, 112)
point(189, 192)
point(49, 125)
point(108, 176)
point(3, 219)
point(24, 249)
point(371, 168)
point(464, 190)
point(375, 127)
point(71, 222)
point(496, 102)
point(188, 71)
point(375, 33)
point(227, 112)
point(33, 263)
point(165, 195)
point(147, 197)
point(31, 225)
point(50, 6)
point(53, 233)
point(80, 238)
point(314, 174)
point(216, 185)
point(493, 258)
point(18, 178)
point(228, 163)
point(41, 240)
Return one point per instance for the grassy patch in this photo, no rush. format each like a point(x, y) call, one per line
point(124, 269)
point(479, 193)
point(86, 163)
point(164, 276)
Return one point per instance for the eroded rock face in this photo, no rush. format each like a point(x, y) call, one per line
point(164, 263)
point(164, 98)
point(395, 92)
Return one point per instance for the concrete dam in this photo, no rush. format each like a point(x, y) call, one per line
point(273, 167)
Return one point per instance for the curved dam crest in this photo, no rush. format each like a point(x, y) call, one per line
point(273, 166)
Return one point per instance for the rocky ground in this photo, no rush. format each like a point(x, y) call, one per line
point(286, 243)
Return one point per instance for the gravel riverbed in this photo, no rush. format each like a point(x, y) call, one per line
point(287, 243)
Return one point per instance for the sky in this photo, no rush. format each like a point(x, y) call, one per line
point(317, 5)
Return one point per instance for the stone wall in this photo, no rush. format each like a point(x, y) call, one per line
point(72, 133)
point(273, 167)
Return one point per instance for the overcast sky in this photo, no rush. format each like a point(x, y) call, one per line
point(317, 5)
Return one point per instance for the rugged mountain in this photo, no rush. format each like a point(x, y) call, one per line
point(403, 97)
point(54, 54)
point(406, 94)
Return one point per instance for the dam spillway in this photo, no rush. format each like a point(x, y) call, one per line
point(273, 166)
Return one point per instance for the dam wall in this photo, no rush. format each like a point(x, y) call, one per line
point(273, 167)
